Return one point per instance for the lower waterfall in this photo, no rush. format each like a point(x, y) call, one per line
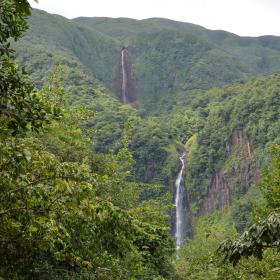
point(179, 203)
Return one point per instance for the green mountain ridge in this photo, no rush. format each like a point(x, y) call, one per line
point(167, 57)
point(225, 40)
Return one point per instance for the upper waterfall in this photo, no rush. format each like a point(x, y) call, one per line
point(124, 76)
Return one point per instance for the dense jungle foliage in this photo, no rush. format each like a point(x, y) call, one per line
point(87, 183)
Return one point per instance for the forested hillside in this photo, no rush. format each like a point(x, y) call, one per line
point(168, 58)
point(89, 181)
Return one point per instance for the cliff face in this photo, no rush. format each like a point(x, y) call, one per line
point(235, 177)
point(124, 82)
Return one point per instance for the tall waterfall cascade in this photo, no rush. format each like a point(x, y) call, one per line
point(179, 203)
point(124, 76)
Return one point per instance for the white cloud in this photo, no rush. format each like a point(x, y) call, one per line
point(243, 17)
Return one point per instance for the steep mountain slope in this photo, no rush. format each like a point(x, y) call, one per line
point(257, 55)
point(40, 61)
point(96, 51)
point(169, 62)
point(167, 59)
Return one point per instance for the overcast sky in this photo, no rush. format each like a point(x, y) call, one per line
point(243, 17)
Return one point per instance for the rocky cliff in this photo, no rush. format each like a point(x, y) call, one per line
point(235, 177)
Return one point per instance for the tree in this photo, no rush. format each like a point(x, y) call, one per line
point(22, 108)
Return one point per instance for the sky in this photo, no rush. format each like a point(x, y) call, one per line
point(242, 17)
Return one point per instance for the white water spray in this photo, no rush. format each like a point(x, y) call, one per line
point(179, 234)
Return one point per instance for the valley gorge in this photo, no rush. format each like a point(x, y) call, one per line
point(125, 84)
point(156, 78)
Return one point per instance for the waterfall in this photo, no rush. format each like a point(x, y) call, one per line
point(179, 203)
point(124, 76)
